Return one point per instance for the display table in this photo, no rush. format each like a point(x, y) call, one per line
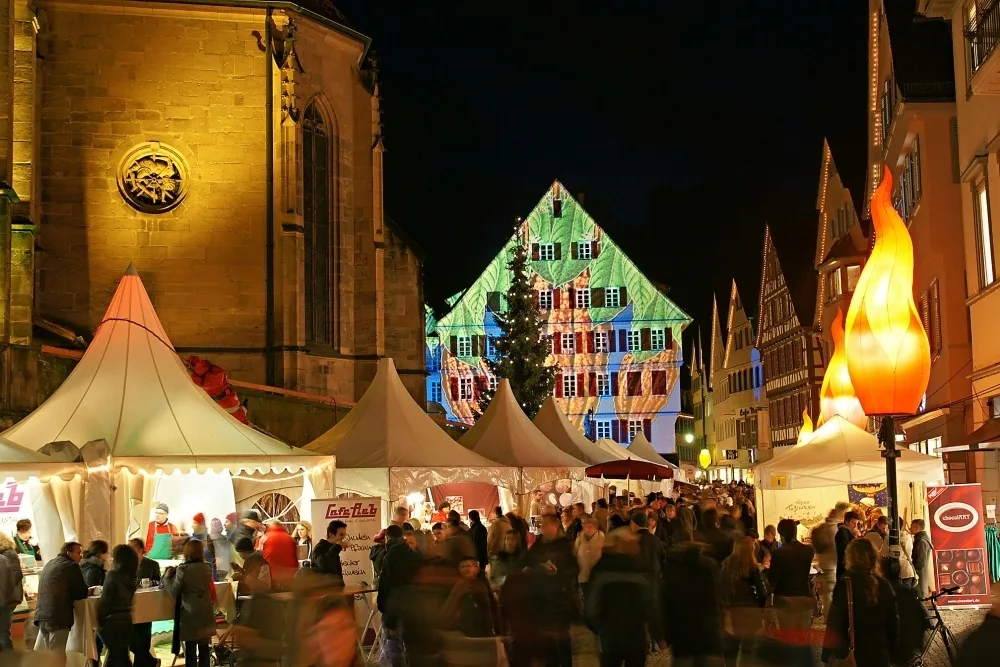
point(148, 605)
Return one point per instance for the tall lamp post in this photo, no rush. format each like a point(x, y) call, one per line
point(888, 355)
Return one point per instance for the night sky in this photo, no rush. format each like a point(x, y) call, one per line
point(688, 125)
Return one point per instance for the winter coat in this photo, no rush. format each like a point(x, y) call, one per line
point(789, 574)
point(11, 579)
point(720, 543)
point(496, 534)
point(278, 548)
point(480, 541)
point(472, 610)
point(256, 576)
point(59, 587)
point(906, 570)
point(458, 546)
point(824, 542)
point(876, 626)
point(651, 557)
point(148, 569)
point(557, 590)
point(588, 552)
point(693, 628)
point(114, 610)
point(615, 584)
point(502, 564)
point(841, 540)
point(923, 561)
point(93, 571)
point(398, 566)
point(748, 591)
point(192, 587)
point(326, 560)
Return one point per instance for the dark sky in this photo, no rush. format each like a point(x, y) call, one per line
point(687, 125)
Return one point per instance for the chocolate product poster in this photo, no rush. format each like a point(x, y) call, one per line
point(958, 533)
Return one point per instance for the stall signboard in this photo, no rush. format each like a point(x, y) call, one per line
point(14, 506)
point(958, 533)
point(875, 495)
point(363, 517)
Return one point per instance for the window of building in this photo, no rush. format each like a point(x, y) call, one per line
point(603, 384)
point(603, 429)
point(834, 285)
point(601, 341)
point(316, 218)
point(634, 340)
point(583, 249)
point(464, 346)
point(465, 389)
point(634, 428)
point(545, 299)
point(546, 252)
point(568, 342)
point(972, 39)
point(612, 297)
point(583, 298)
point(658, 339)
point(491, 347)
point(435, 391)
point(984, 235)
point(493, 382)
point(887, 104)
point(569, 385)
point(853, 274)
point(930, 315)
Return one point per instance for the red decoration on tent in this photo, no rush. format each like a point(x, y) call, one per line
point(215, 381)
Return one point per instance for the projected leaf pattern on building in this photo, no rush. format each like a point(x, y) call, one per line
point(643, 327)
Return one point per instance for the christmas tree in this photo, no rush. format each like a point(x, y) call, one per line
point(523, 345)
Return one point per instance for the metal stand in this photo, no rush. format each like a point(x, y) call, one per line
point(887, 438)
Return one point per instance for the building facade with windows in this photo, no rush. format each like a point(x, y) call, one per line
point(976, 71)
point(740, 397)
point(912, 131)
point(615, 336)
point(702, 411)
point(789, 345)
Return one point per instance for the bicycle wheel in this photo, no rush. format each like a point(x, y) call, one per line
point(950, 645)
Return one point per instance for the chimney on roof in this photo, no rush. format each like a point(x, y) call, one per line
point(579, 198)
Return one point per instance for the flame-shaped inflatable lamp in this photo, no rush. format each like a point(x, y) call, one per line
point(837, 396)
point(805, 433)
point(888, 354)
point(704, 459)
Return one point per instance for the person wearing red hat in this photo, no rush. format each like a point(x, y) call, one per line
point(278, 548)
point(199, 531)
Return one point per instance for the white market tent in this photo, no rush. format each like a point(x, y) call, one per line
point(622, 453)
point(617, 451)
point(806, 481)
point(388, 447)
point(506, 435)
point(641, 447)
point(132, 400)
point(556, 426)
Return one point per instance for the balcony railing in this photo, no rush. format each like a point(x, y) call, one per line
point(982, 36)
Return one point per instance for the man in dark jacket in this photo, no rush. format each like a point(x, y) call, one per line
point(650, 548)
point(398, 568)
point(142, 633)
point(480, 540)
point(552, 556)
point(845, 533)
point(693, 629)
point(458, 545)
point(923, 563)
point(326, 553)
point(59, 587)
point(720, 543)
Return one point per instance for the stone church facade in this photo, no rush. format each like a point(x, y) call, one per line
point(233, 151)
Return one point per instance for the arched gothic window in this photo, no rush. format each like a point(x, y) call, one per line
point(317, 213)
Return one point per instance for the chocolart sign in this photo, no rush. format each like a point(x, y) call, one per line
point(958, 533)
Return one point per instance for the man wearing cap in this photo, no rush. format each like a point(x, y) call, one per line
point(160, 534)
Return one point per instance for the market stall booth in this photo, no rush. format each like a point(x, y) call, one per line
point(638, 487)
point(388, 447)
point(506, 435)
point(642, 448)
point(839, 462)
point(153, 438)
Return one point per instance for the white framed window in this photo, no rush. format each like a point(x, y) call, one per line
point(601, 341)
point(491, 347)
point(634, 428)
point(603, 384)
point(464, 346)
point(583, 249)
point(834, 286)
point(493, 382)
point(546, 252)
point(435, 391)
point(603, 430)
point(612, 297)
point(569, 385)
point(984, 236)
point(853, 274)
point(545, 299)
point(658, 339)
point(568, 342)
point(634, 340)
point(465, 389)
point(583, 298)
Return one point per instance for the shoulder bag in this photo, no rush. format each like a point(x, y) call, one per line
point(849, 661)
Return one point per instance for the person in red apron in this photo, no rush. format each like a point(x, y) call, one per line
point(160, 534)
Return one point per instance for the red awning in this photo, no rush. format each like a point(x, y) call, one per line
point(630, 469)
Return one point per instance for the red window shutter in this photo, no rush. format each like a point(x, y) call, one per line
point(614, 384)
point(623, 429)
point(590, 342)
point(579, 384)
point(580, 349)
point(453, 346)
point(659, 383)
point(556, 293)
point(534, 251)
point(572, 298)
point(645, 339)
point(537, 301)
point(558, 250)
point(647, 429)
point(557, 343)
point(615, 430)
point(635, 383)
point(595, 249)
point(623, 296)
point(454, 388)
point(669, 338)
point(477, 386)
point(612, 341)
point(559, 385)
point(592, 385)
point(623, 340)
point(573, 251)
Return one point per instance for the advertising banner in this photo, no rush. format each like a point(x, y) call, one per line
point(874, 495)
point(363, 517)
point(958, 534)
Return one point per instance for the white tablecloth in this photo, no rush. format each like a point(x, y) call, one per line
point(148, 605)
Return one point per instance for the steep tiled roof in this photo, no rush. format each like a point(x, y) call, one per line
point(921, 54)
point(800, 276)
point(844, 248)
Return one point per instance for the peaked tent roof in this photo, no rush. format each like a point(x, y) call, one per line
point(506, 435)
point(555, 426)
point(387, 429)
point(616, 450)
point(131, 390)
point(642, 448)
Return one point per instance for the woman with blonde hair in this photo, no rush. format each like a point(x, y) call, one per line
point(11, 588)
point(743, 596)
point(303, 535)
point(863, 618)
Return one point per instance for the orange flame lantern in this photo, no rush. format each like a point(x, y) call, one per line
point(805, 433)
point(837, 396)
point(888, 355)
